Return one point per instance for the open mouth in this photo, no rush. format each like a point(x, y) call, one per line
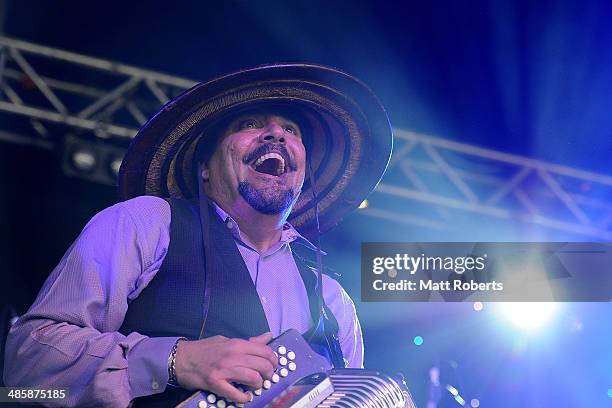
point(270, 163)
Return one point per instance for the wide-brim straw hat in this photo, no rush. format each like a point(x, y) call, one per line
point(349, 132)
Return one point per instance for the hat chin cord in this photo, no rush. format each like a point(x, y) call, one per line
point(322, 329)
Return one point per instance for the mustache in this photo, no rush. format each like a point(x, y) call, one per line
point(269, 148)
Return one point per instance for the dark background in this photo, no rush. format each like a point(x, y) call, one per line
point(529, 78)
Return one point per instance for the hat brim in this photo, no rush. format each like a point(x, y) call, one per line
point(350, 137)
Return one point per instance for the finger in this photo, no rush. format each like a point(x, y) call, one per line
point(247, 347)
point(227, 390)
point(244, 375)
point(262, 365)
point(262, 338)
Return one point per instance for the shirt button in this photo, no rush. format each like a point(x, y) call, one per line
point(263, 299)
point(230, 225)
point(154, 385)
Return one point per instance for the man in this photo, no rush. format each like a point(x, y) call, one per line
point(182, 285)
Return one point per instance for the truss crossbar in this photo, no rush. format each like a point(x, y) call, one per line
point(526, 191)
point(129, 92)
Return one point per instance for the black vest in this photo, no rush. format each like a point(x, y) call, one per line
point(184, 299)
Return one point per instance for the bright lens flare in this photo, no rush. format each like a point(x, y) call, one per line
point(528, 315)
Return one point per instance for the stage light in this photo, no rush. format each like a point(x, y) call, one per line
point(474, 403)
point(452, 390)
point(610, 392)
point(528, 315)
point(418, 340)
point(93, 160)
point(114, 165)
point(460, 400)
point(364, 204)
point(84, 160)
point(478, 306)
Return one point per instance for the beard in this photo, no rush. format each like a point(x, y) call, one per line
point(270, 201)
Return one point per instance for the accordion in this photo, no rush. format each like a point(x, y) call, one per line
point(304, 379)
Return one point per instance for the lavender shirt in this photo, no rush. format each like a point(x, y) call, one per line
point(69, 336)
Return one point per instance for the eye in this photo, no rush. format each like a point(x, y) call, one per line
point(250, 124)
point(291, 129)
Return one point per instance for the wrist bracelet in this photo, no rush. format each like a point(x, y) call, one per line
point(172, 364)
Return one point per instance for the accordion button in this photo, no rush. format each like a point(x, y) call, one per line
point(292, 366)
point(250, 394)
point(221, 404)
point(267, 384)
point(281, 350)
point(231, 406)
point(275, 378)
point(282, 361)
point(257, 392)
point(212, 398)
point(284, 372)
point(202, 404)
point(291, 355)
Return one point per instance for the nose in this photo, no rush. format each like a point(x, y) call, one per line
point(273, 133)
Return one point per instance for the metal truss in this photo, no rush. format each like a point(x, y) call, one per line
point(59, 92)
point(82, 94)
point(448, 177)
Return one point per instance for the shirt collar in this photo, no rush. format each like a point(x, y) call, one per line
point(288, 235)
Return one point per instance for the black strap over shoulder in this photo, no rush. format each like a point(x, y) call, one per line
point(322, 324)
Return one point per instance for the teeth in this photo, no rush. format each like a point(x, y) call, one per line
point(281, 166)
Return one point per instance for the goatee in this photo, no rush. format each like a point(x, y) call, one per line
point(275, 202)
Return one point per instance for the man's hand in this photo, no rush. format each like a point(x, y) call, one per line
point(214, 363)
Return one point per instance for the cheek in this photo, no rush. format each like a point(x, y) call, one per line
point(235, 151)
point(230, 156)
point(302, 164)
point(301, 158)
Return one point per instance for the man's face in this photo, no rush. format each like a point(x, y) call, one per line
point(260, 159)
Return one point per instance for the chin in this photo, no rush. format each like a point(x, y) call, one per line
point(269, 200)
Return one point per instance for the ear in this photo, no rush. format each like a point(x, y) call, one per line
point(204, 172)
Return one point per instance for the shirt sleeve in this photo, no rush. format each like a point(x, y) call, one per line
point(349, 329)
point(69, 337)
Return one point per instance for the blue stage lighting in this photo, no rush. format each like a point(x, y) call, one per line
point(418, 340)
point(528, 315)
point(610, 392)
point(452, 390)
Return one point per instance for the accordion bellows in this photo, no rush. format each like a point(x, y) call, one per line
point(363, 388)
